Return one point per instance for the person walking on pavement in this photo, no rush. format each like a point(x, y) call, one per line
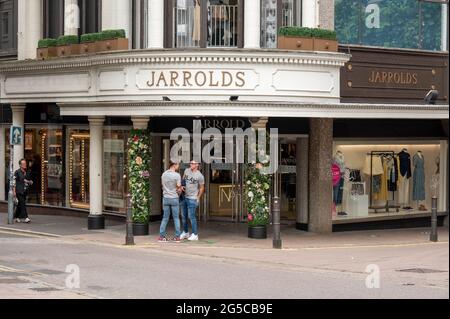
point(193, 191)
point(22, 180)
point(171, 185)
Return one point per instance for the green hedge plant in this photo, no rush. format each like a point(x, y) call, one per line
point(305, 32)
point(47, 43)
point(67, 40)
point(89, 37)
point(112, 34)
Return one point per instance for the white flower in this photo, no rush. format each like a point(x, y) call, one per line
point(250, 194)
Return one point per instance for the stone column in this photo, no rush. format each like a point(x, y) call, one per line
point(71, 17)
point(116, 14)
point(155, 28)
point(302, 183)
point(29, 28)
point(3, 166)
point(310, 17)
point(326, 14)
point(18, 117)
point(96, 220)
point(252, 24)
point(320, 184)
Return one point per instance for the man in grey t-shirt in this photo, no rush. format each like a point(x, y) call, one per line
point(171, 185)
point(193, 191)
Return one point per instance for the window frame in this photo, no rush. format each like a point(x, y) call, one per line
point(11, 51)
point(46, 19)
point(169, 23)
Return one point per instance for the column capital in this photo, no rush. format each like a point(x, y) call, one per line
point(140, 122)
point(96, 120)
point(18, 107)
point(258, 122)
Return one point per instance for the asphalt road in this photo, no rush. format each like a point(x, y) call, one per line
point(38, 265)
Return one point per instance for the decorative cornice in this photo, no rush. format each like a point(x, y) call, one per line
point(335, 107)
point(236, 56)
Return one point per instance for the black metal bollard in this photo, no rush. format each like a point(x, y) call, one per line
point(277, 244)
point(434, 234)
point(129, 238)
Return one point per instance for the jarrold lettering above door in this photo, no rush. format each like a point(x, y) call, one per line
point(192, 79)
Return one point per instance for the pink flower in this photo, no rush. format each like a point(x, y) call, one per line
point(135, 138)
point(250, 217)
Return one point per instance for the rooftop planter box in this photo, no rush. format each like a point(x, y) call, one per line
point(68, 45)
point(310, 39)
point(88, 43)
point(46, 49)
point(112, 40)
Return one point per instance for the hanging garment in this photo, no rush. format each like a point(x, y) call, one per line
point(377, 165)
point(405, 164)
point(382, 179)
point(418, 177)
point(403, 191)
point(392, 165)
point(376, 184)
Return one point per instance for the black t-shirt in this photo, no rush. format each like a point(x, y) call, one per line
point(20, 177)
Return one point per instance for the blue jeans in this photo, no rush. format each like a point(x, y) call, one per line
point(189, 210)
point(170, 205)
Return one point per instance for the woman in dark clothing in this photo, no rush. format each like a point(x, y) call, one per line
point(22, 180)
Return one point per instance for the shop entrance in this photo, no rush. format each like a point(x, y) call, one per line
point(224, 192)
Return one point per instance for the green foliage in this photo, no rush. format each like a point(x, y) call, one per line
point(90, 37)
point(139, 170)
point(399, 24)
point(257, 191)
point(307, 32)
point(47, 43)
point(112, 34)
point(67, 40)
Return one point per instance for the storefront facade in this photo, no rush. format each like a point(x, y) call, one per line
point(78, 113)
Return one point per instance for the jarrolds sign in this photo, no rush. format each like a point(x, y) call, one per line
point(376, 75)
point(216, 79)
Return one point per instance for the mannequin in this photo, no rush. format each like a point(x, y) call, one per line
point(404, 160)
point(419, 180)
point(339, 160)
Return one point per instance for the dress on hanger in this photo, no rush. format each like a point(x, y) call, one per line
point(418, 177)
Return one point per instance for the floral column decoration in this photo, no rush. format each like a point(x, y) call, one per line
point(139, 170)
point(257, 191)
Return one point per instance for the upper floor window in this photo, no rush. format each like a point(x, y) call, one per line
point(411, 24)
point(205, 23)
point(90, 16)
point(53, 18)
point(8, 27)
point(276, 14)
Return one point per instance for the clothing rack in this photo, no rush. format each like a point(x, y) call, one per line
point(386, 206)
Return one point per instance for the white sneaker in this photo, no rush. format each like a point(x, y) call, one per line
point(27, 220)
point(184, 236)
point(17, 220)
point(193, 237)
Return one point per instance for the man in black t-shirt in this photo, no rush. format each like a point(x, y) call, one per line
point(22, 180)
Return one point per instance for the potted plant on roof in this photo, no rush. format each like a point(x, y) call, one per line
point(46, 48)
point(112, 40)
point(310, 39)
point(257, 194)
point(68, 45)
point(88, 43)
point(139, 165)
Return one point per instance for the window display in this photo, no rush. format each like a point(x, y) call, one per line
point(115, 186)
point(381, 179)
point(44, 153)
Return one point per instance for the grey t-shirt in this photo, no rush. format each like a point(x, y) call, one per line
point(193, 182)
point(169, 181)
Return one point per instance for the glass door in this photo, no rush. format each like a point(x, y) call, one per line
point(287, 179)
point(79, 169)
